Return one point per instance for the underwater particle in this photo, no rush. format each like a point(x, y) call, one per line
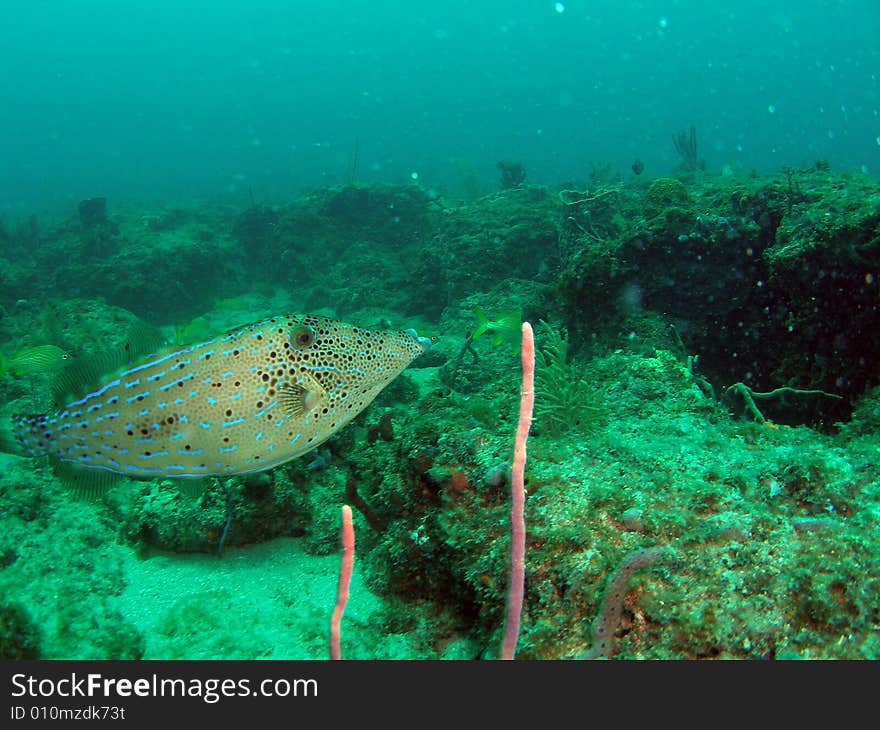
point(663, 23)
point(414, 175)
point(771, 109)
point(559, 7)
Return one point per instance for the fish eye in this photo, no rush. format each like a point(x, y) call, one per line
point(302, 337)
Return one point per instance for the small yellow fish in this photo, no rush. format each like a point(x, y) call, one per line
point(505, 328)
point(33, 360)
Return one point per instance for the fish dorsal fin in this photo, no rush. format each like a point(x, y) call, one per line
point(85, 372)
point(88, 485)
point(295, 400)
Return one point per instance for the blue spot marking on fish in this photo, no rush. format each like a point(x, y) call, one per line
point(153, 456)
point(139, 395)
point(233, 422)
point(259, 435)
point(163, 404)
point(176, 382)
point(95, 407)
point(293, 440)
point(156, 376)
point(228, 373)
point(203, 424)
point(144, 470)
point(227, 449)
point(206, 354)
point(144, 412)
point(191, 452)
point(97, 393)
point(177, 437)
point(143, 441)
point(123, 451)
point(267, 408)
point(132, 383)
point(236, 396)
point(212, 401)
point(183, 419)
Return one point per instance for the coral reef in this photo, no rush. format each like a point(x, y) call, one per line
point(653, 299)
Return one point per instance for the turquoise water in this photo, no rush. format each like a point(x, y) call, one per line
point(158, 100)
point(681, 199)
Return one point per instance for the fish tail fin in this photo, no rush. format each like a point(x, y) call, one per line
point(511, 320)
point(22, 435)
point(26, 435)
point(483, 323)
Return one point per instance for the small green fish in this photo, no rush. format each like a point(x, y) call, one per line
point(240, 402)
point(504, 329)
point(33, 360)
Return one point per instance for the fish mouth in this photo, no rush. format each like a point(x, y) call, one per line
point(423, 341)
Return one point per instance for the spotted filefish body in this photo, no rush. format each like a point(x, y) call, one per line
point(242, 402)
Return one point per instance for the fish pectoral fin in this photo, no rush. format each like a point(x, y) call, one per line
point(297, 400)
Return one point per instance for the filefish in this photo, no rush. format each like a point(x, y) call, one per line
point(245, 401)
point(33, 360)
